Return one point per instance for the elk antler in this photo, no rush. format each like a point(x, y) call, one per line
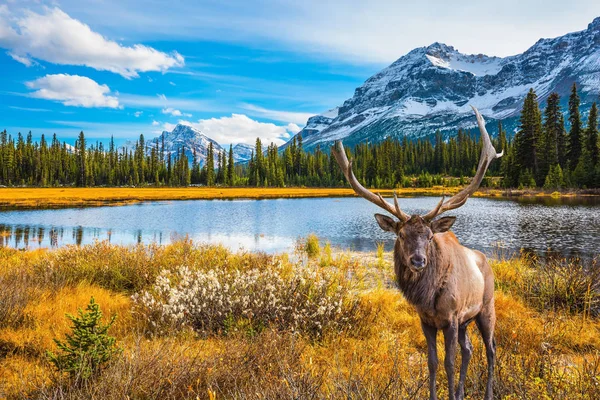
point(488, 154)
point(342, 160)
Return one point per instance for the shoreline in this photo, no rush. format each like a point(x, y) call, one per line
point(51, 198)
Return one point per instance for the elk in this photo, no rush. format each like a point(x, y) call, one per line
point(448, 284)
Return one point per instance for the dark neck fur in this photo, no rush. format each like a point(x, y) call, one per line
point(421, 289)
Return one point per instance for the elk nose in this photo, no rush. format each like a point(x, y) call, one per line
point(418, 261)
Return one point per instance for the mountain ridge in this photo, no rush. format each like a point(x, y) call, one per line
point(431, 88)
point(192, 139)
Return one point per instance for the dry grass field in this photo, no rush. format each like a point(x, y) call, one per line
point(82, 197)
point(86, 197)
point(336, 328)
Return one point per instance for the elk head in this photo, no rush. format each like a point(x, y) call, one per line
point(415, 233)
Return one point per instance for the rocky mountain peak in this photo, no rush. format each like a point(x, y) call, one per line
point(431, 88)
point(439, 49)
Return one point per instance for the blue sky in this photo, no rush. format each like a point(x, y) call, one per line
point(234, 69)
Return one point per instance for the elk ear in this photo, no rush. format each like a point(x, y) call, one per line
point(386, 223)
point(442, 224)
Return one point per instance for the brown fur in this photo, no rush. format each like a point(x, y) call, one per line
point(453, 287)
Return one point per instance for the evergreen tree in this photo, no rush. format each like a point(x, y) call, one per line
point(552, 130)
point(575, 134)
point(528, 140)
point(592, 136)
point(80, 149)
point(88, 347)
point(210, 166)
point(230, 167)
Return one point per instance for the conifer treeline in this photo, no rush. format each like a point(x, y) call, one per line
point(542, 154)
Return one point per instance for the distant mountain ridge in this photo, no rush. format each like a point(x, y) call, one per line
point(431, 88)
point(190, 139)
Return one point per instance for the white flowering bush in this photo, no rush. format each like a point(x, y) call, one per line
point(218, 300)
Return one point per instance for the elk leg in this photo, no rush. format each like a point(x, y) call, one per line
point(466, 350)
point(450, 341)
point(432, 358)
point(485, 322)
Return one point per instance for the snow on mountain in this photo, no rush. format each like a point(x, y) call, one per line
point(70, 149)
point(192, 139)
point(242, 152)
point(432, 88)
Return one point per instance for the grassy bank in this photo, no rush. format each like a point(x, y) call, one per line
point(20, 198)
point(85, 197)
point(341, 330)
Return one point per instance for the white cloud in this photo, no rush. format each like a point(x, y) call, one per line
point(293, 128)
point(174, 112)
point(172, 83)
point(137, 114)
point(73, 90)
point(57, 38)
point(240, 128)
point(29, 109)
point(23, 60)
point(377, 31)
point(155, 123)
point(283, 116)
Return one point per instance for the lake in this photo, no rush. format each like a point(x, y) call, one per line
point(567, 227)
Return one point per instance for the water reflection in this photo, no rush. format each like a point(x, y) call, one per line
point(570, 227)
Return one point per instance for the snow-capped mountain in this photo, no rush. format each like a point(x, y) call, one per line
point(192, 139)
point(432, 88)
point(242, 152)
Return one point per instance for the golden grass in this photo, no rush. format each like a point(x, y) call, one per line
point(88, 197)
point(541, 354)
point(83, 197)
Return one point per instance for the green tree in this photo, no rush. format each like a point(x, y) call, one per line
point(552, 130)
point(592, 136)
point(575, 134)
point(210, 165)
point(554, 179)
point(88, 347)
point(230, 167)
point(528, 140)
point(80, 150)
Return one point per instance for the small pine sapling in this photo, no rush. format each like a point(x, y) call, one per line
point(88, 347)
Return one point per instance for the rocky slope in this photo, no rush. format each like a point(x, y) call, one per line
point(432, 88)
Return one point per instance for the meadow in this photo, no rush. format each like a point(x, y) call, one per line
point(83, 197)
point(27, 197)
point(200, 322)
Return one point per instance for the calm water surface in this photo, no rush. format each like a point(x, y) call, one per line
point(275, 225)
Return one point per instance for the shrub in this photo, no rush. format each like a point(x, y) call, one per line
point(569, 285)
point(219, 300)
point(311, 246)
point(326, 258)
point(380, 253)
point(572, 286)
point(89, 347)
